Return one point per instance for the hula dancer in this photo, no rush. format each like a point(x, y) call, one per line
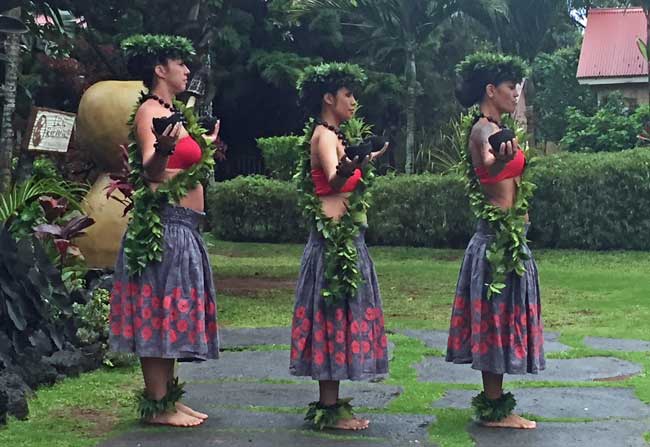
point(338, 324)
point(163, 302)
point(496, 320)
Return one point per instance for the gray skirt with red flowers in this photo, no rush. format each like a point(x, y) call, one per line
point(501, 335)
point(169, 310)
point(340, 341)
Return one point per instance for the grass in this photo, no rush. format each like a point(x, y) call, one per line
point(583, 293)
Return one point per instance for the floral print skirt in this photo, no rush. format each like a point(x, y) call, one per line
point(337, 341)
point(168, 311)
point(503, 334)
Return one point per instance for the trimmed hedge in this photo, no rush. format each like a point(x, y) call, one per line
point(592, 201)
point(420, 210)
point(255, 209)
point(586, 201)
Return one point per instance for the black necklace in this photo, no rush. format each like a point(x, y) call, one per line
point(161, 101)
point(338, 132)
point(492, 120)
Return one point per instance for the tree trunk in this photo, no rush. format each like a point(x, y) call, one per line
point(411, 102)
point(646, 10)
point(12, 50)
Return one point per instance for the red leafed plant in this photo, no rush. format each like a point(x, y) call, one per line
point(120, 182)
point(62, 234)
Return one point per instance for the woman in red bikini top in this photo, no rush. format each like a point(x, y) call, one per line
point(498, 172)
point(165, 155)
point(333, 174)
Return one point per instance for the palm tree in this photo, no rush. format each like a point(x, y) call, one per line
point(12, 27)
point(403, 27)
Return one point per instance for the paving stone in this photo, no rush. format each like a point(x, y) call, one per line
point(239, 365)
point(243, 428)
point(438, 339)
point(244, 337)
point(617, 344)
point(591, 403)
point(398, 427)
point(435, 369)
point(368, 395)
point(198, 437)
point(551, 434)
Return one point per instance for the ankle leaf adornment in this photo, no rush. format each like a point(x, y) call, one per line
point(322, 416)
point(493, 410)
point(149, 408)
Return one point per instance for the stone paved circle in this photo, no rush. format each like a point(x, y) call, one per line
point(435, 369)
point(366, 395)
point(615, 344)
point(584, 403)
point(577, 434)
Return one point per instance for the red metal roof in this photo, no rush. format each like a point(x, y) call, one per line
point(609, 47)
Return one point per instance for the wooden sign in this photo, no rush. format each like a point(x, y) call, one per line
point(49, 130)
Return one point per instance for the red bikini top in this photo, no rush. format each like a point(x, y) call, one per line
point(186, 154)
point(322, 186)
point(514, 168)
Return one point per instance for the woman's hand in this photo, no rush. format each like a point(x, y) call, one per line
point(346, 167)
point(214, 135)
point(507, 150)
point(166, 141)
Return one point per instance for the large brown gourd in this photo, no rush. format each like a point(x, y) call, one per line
point(101, 128)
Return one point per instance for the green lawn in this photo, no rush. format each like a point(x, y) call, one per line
point(583, 293)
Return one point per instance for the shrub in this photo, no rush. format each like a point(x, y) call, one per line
point(585, 201)
point(92, 321)
point(612, 128)
point(420, 210)
point(256, 209)
point(281, 155)
point(592, 201)
point(408, 210)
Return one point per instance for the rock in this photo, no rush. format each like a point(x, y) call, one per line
point(3, 407)
point(68, 362)
point(15, 391)
point(34, 371)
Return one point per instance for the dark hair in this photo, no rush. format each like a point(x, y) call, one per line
point(318, 80)
point(142, 67)
point(478, 70)
point(144, 51)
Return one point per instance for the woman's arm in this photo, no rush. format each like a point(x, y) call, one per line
point(337, 171)
point(155, 148)
point(493, 162)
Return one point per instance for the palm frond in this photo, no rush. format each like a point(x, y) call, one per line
point(12, 201)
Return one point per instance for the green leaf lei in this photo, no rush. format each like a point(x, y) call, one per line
point(507, 252)
point(144, 236)
point(342, 275)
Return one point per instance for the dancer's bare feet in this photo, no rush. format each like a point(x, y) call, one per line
point(351, 424)
point(512, 421)
point(187, 410)
point(175, 419)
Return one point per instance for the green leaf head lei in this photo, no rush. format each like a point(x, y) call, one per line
point(317, 80)
point(480, 69)
point(507, 253)
point(157, 45)
point(342, 275)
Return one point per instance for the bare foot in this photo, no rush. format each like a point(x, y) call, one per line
point(187, 410)
point(351, 424)
point(175, 419)
point(512, 421)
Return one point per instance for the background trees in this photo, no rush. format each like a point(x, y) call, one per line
point(257, 49)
